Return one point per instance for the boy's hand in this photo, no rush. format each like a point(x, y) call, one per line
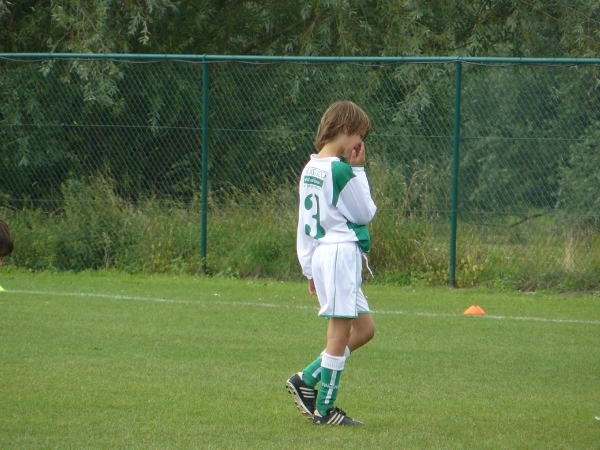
point(357, 158)
point(311, 287)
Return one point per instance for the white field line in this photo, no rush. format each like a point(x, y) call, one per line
point(272, 305)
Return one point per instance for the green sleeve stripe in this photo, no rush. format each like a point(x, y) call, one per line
point(342, 174)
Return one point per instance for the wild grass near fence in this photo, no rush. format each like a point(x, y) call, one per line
point(253, 234)
point(105, 360)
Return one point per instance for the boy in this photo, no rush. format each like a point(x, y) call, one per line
point(335, 207)
point(6, 245)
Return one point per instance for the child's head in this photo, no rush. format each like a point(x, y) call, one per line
point(342, 117)
point(6, 245)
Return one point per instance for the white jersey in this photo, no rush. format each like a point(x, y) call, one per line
point(335, 207)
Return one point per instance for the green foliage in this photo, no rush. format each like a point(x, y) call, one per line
point(579, 196)
point(528, 149)
point(254, 236)
point(95, 229)
point(307, 27)
point(35, 235)
point(56, 123)
point(520, 135)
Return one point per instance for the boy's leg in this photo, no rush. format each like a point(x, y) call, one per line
point(312, 373)
point(330, 382)
point(332, 364)
point(337, 277)
point(363, 330)
point(338, 335)
point(301, 385)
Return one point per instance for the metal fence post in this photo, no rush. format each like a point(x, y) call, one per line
point(454, 210)
point(204, 207)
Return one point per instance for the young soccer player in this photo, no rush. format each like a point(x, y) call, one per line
point(6, 245)
point(335, 207)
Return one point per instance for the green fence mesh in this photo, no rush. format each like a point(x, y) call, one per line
point(529, 138)
point(97, 149)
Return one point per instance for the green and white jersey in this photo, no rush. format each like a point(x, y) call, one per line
point(335, 207)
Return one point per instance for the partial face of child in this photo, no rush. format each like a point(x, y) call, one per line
point(350, 143)
point(354, 150)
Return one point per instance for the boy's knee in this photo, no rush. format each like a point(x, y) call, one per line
point(370, 334)
point(366, 328)
point(366, 333)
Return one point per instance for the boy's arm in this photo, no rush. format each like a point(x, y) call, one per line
point(305, 249)
point(355, 201)
point(311, 287)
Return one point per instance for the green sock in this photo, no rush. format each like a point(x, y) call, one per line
point(311, 375)
point(331, 370)
point(330, 382)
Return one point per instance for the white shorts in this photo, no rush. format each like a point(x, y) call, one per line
point(337, 273)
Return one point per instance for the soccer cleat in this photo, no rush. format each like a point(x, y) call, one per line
point(335, 417)
point(304, 396)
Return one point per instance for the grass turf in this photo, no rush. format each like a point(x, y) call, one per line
point(107, 360)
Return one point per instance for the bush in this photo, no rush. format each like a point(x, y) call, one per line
point(253, 234)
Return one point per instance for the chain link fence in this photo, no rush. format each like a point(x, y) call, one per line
point(101, 164)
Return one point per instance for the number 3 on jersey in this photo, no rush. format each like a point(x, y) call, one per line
point(318, 231)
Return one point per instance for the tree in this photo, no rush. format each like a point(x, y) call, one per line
point(406, 100)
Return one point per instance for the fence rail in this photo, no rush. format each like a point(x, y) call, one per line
point(499, 155)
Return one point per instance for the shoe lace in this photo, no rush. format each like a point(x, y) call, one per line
point(340, 411)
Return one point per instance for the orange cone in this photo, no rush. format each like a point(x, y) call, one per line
point(474, 311)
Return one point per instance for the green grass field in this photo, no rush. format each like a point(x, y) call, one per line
point(114, 361)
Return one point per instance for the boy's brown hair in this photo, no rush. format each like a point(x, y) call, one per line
point(342, 117)
point(6, 244)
